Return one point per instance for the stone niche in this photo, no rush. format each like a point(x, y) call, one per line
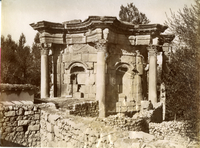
point(79, 71)
point(101, 59)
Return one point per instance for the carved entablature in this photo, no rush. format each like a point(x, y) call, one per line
point(95, 28)
point(79, 48)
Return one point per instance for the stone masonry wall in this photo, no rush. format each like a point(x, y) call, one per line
point(174, 129)
point(126, 123)
point(19, 124)
point(59, 129)
point(85, 109)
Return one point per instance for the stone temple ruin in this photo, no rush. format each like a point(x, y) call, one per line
point(103, 59)
point(98, 67)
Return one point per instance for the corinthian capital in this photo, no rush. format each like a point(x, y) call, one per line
point(152, 50)
point(101, 45)
point(46, 47)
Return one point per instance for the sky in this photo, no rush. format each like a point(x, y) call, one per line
point(16, 15)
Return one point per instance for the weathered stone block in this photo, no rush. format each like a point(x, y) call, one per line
point(35, 108)
point(23, 122)
point(87, 89)
point(53, 118)
point(131, 108)
point(93, 57)
point(66, 57)
point(50, 136)
point(119, 104)
point(76, 57)
point(8, 129)
point(77, 95)
point(92, 96)
point(85, 57)
point(28, 112)
point(66, 79)
point(86, 95)
point(57, 131)
point(130, 103)
point(10, 113)
point(50, 127)
point(124, 108)
point(19, 128)
point(92, 89)
point(33, 127)
point(20, 111)
point(81, 78)
point(37, 116)
point(90, 80)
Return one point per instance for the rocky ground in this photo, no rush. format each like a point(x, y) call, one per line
point(134, 139)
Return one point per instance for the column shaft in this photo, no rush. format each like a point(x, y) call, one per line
point(44, 76)
point(138, 80)
point(152, 76)
point(100, 82)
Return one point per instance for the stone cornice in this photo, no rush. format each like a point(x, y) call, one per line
point(94, 22)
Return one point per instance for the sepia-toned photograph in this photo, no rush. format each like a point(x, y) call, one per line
point(100, 73)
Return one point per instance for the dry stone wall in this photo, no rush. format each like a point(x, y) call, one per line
point(126, 123)
point(20, 124)
point(85, 109)
point(188, 130)
point(59, 129)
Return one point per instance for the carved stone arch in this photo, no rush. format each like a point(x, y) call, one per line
point(77, 63)
point(122, 64)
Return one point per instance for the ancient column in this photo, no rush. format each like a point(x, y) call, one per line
point(152, 74)
point(52, 73)
point(138, 80)
point(44, 72)
point(100, 76)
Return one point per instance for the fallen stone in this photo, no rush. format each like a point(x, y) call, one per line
point(50, 136)
point(141, 135)
point(57, 131)
point(37, 116)
point(53, 118)
point(20, 111)
point(23, 122)
point(33, 127)
point(50, 127)
point(29, 113)
point(19, 129)
point(10, 113)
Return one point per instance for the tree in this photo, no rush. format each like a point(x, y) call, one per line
point(36, 61)
point(19, 65)
point(131, 14)
point(24, 58)
point(8, 60)
point(182, 80)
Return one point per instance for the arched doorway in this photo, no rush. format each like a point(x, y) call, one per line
point(124, 82)
point(77, 73)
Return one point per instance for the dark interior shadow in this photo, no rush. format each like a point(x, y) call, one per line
point(5, 143)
